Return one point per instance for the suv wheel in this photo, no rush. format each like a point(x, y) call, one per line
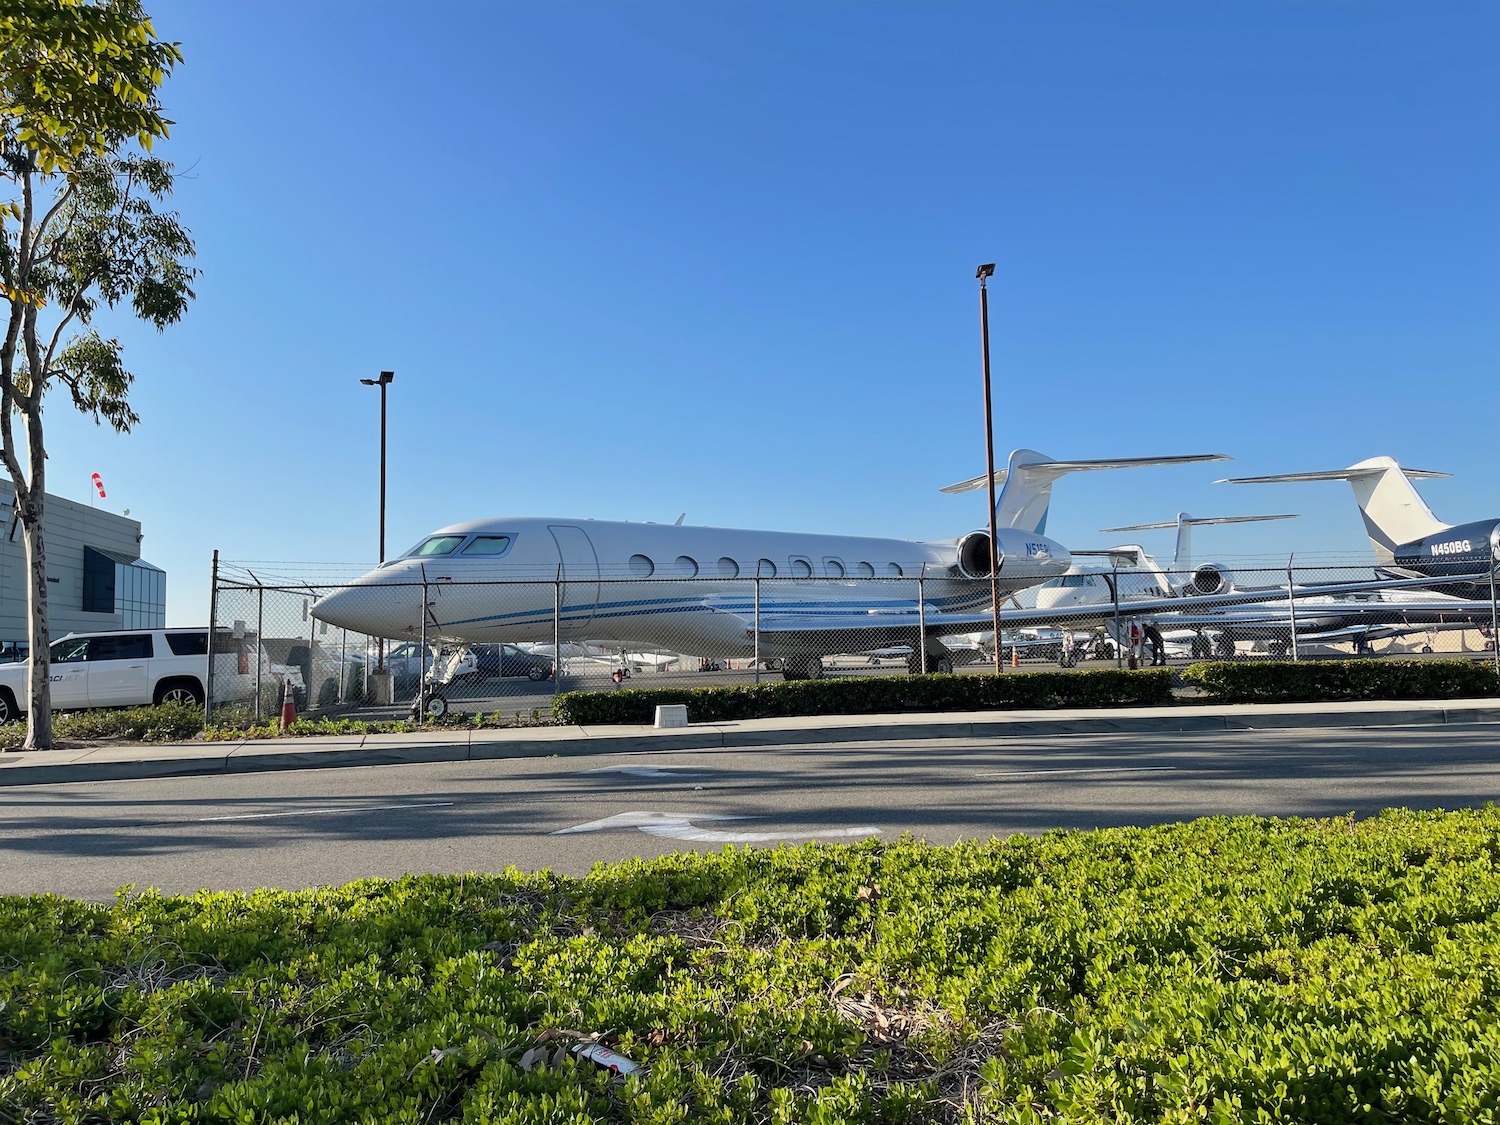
point(180, 691)
point(9, 712)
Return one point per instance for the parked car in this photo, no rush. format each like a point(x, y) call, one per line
point(134, 667)
point(508, 660)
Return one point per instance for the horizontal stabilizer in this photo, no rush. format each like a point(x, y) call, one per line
point(1198, 521)
point(1353, 473)
point(1393, 511)
point(1058, 468)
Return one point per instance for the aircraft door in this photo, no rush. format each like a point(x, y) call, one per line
point(580, 578)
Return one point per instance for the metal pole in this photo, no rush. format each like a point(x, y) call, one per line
point(984, 272)
point(1291, 604)
point(557, 654)
point(343, 660)
point(1114, 588)
point(260, 632)
point(213, 620)
point(1494, 621)
point(757, 629)
point(422, 675)
point(385, 380)
point(922, 620)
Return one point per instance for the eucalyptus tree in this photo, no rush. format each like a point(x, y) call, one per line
point(84, 228)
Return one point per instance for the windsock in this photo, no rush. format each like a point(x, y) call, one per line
point(99, 484)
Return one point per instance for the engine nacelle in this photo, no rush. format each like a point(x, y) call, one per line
point(974, 555)
point(1210, 578)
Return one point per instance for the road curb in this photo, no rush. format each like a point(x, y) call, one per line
point(465, 746)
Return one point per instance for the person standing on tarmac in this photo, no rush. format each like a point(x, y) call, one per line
point(1153, 637)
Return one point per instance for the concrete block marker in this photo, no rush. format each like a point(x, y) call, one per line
point(671, 715)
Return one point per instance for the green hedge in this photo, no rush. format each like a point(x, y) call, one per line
point(1229, 970)
point(1304, 681)
point(874, 695)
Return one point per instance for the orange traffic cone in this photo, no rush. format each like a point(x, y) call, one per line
point(1015, 657)
point(288, 706)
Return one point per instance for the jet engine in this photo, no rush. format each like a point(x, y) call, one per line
point(1210, 578)
point(974, 555)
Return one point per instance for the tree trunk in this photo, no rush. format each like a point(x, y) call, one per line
point(38, 634)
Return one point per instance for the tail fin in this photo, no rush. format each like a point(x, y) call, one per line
point(1184, 523)
point(1393, 511)
point(1023, 502)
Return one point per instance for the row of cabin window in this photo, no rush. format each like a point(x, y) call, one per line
point(642, 566)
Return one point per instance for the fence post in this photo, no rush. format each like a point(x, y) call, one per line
point(922, 620)
point(557, 653)
point(343, 661)
point(1291, 603)
point(1494, 619)
point(757, 629)
point(213, 614)
point(1114, 589)
point(422, 667)
point(260, 633)
point(312, 644)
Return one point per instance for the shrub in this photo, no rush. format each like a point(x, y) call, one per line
point(1303, 681)
point(867, 696)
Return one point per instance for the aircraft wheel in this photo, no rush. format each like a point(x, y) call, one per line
point(436, 706)
point(1224, 647)
point(1426, 648)
point(942, 665)
point(1202, 650)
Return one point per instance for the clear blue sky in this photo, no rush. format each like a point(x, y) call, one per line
point(629, 260)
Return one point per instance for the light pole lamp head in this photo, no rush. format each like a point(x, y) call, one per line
point(984, 271)
point(385, 378)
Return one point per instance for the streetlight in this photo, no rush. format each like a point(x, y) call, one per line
point(983, 273)
point(383, 382)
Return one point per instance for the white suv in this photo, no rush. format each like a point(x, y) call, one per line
point(129, 668)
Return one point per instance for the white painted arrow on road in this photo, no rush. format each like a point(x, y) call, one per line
point(680, 826)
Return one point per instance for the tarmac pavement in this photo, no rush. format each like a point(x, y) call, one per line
point(139, 760)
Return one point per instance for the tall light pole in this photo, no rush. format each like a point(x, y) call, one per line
point(983, 274)
point(383, 382)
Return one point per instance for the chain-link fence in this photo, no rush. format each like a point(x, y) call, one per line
point(543, 637)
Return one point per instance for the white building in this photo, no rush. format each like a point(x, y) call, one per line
point(95, 574)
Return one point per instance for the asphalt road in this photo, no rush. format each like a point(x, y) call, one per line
point(312, 827)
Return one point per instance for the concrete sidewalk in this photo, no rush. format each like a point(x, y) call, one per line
point(140, 760)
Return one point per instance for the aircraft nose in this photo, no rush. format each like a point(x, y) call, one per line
point(378, 607)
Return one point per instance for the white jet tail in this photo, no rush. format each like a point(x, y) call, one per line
point(1023, 502)
point(1182, 559)
point(1393, 511)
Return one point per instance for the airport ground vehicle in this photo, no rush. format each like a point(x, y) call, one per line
point(130, 668)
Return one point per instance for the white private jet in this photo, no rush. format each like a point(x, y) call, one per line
point(498, 579)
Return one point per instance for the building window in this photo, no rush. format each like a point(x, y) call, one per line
point(98, 582)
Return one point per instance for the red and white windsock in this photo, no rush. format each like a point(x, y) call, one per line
point(99, 484)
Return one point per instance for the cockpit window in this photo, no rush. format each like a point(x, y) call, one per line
point(437, 545)
point(492, 545)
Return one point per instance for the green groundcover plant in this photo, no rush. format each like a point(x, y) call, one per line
point(1227, 970)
